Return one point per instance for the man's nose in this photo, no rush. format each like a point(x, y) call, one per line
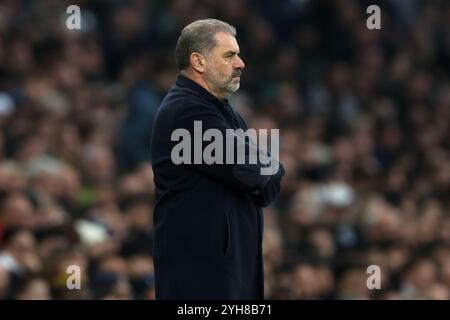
point(239, 64)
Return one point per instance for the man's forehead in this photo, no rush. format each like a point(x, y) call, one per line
point(226, 42)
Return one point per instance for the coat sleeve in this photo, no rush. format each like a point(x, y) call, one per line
point(267, 194)
point(245, 177)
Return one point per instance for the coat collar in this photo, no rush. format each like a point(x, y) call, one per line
point(185, 82)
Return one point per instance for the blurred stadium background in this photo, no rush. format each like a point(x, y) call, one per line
point(364, 118)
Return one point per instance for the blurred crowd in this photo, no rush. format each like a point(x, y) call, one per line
point(364, 119)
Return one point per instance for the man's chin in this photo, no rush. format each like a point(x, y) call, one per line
point(234, 87)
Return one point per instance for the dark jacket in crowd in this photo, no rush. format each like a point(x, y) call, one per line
point(208, 219)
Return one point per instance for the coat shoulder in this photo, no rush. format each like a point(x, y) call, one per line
point(182, 100)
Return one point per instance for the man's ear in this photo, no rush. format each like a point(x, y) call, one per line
point(198, 62)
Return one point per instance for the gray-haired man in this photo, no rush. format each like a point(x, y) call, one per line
point(208, 217)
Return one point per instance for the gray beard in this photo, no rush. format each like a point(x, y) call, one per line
point(232, 87)
point(228, 88)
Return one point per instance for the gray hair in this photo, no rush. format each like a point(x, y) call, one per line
point(198, 36)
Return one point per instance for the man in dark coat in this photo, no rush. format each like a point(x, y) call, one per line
point(208, 219)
